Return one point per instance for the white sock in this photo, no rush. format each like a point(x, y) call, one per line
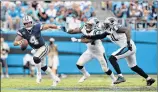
point(83, 71)
point(148, 78)
point(112, 76)
point(49, 71)
point(120, 75)
point(38, 68)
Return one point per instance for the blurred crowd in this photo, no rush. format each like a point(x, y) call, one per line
point(137, 13)
point(56, 12)
point(142, 12)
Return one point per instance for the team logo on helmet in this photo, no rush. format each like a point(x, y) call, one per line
point(28, 22)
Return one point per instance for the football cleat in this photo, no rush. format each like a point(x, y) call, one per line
point(56, 81)
point(112, 83)
point(84, 77)
point(7, 76)
point(39, 78)
point(150, 82)
point(120, 79)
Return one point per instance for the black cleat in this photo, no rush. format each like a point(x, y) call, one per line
point(150, 82)
point(120, 79)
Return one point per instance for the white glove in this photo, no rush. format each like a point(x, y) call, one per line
point(73, 39)
point(58, 27)
point(33, 51)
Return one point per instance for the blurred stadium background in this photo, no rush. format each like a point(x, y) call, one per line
point(140, 16)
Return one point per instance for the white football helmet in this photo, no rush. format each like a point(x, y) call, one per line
point(28, 22)
point(91, 24)
point(110, 21)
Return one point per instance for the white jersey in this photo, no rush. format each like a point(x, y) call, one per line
point(118, 38)
point(95, 46)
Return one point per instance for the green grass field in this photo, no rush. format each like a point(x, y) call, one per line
point(96, 83)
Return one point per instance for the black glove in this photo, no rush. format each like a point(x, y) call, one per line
point(129, 45)
point(85, 36)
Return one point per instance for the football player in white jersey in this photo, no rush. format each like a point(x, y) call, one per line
point(121, 37)
point(95, 49)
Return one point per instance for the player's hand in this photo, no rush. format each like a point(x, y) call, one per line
point(16, 43)
point(73, 39)
point(129, 45)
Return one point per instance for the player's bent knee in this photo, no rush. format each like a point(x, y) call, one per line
point(44, 68)
point(36, 60)
point(79, 67)
point(104, 67)
point(112, 58)
point(131, 65)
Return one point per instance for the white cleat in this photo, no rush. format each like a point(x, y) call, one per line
point(56, 81)
point(39, 78)
point(83, 78)
point(7, 76)
point(112, 84)
point(56, 78)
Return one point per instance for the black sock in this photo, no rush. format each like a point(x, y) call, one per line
point(115, 65)
point(44, 68)
point(79, 67)
point(109, 72)
point(139, 71)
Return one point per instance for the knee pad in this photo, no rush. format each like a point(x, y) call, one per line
point(44, 68)
point(37, 60)
point(112, 58)
point(79, 67)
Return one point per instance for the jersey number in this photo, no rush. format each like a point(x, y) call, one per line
point(33, 40)
point(113, 38)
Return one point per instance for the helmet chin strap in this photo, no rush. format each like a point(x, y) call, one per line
point(88, 31)
point(28, 28)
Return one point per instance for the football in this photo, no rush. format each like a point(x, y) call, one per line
point(24, 44)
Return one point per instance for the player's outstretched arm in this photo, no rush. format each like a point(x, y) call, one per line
point(49, 26)
point(83, 40)
point(74, 31)
point(95, 37)
point(18, 40)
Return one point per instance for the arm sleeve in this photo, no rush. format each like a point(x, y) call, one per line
point(99, 36)
point(39, 26)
